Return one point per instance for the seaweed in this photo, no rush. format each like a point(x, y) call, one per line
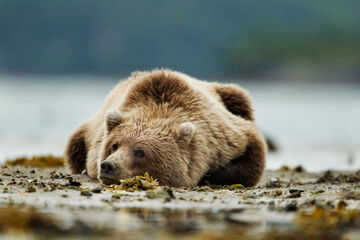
point(284, 168)
point(277, 193)
point(203, 189)
point(327, 224)
point(329, 176)
point(137, 183)
point(320, 223)
point(341, 205)
point(37, 161)
point(234, 187)
point(228, 187)
point(23, 220)
point(354, 195)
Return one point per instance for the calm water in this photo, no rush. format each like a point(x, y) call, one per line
point(315, 125)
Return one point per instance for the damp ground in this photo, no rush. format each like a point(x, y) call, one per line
point(38, 202)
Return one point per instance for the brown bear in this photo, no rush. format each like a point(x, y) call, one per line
point(180, 130)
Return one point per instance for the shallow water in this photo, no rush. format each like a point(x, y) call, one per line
point(315, 125)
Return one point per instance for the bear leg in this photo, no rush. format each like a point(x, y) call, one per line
point(76, 151)
point(246, 169)
point(236, 100)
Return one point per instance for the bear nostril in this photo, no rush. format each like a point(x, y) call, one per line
point(107, 167)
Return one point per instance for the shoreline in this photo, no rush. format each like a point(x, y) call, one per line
point(166, 213)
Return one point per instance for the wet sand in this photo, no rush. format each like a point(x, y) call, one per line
point(43, 202)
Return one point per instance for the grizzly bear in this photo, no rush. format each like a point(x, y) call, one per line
point(180, 130)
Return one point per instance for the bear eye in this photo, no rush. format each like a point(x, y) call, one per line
point(115, 147)
point(139, 153)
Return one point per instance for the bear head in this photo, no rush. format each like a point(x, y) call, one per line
point(132, 147)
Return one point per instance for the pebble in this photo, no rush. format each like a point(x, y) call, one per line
point(96, 190)
point(74, 183)
point(86, 192)
point(291, 207)
point(30, 189)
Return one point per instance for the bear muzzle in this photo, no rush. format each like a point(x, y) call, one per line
point(108, 173)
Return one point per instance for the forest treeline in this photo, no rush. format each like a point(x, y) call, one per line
point(206, 38)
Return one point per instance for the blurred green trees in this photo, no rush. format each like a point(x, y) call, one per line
point(201, 37)
point(336, 50)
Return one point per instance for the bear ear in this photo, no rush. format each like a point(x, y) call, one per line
point(186, 131)
point(113, 119)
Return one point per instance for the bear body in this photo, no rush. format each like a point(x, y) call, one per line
point(180, 130)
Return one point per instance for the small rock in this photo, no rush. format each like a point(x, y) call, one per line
point(86, 192)
point(96, 190)
point(117, 195)
point(30, 189)
point(74, 183)
point(295, 193)
point(13, 182)
point(299, 169)
point(341, 205)
point(32, 171)
point(274, 182)
point(291, 207)
point(292, 190)
point(159, 193)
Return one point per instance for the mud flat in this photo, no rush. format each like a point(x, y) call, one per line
point(287, 204)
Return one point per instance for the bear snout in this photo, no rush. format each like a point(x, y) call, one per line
point(108, 173)
point(107, 167)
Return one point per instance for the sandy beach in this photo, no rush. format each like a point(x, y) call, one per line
point(42, 202)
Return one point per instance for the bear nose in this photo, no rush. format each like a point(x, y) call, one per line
point(107, 167)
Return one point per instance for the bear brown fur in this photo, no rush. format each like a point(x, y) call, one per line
point(180, 130)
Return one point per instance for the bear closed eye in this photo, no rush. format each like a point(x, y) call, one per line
point(139, 153)
point(180, 130)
